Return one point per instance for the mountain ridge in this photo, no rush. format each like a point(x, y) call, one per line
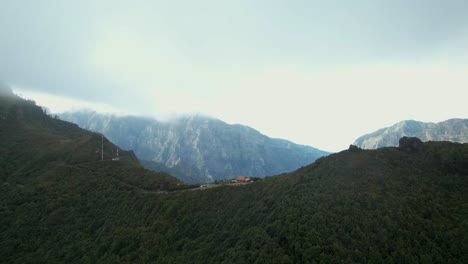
point(33, 141)
point(59, 203)
point(208, 148)
point(455, 130)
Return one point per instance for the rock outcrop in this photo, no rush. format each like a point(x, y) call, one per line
point(410, 144)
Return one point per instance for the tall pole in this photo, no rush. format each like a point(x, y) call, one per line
point(102, 147)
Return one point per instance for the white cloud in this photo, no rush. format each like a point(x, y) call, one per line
point(330, 108)
point(324, 108)
point(321, 79)
point(60, 104)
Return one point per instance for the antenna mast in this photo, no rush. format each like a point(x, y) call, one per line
point(102, 147)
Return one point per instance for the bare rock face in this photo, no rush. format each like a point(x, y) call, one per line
point(195, 148)
point(454, 130)
point(410, 144)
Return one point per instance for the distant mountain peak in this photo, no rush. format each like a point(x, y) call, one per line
point(199, 148)
point(455, 130)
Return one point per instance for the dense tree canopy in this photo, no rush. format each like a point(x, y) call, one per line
point(60, 204)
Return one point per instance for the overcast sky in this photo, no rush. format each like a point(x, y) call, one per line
point(320, 73)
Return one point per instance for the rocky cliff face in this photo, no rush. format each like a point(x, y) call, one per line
point(455, 130)
point(197, 148)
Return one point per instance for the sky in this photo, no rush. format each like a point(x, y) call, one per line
point(318, 73)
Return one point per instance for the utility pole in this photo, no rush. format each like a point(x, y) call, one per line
point(102, 147)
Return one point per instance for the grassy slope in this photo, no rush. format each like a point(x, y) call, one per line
point(373, 206)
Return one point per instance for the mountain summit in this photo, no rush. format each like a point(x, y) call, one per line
point(455, 130)
point(197, 148)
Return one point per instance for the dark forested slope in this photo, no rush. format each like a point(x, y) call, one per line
point(33, 143)
point(391, 205)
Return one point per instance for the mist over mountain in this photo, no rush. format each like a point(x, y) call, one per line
point(455, 130)
point(35, 147)
point(197, 148)
point(6, 92)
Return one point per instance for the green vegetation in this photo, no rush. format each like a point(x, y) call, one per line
point(182, 171)
point(60, 204)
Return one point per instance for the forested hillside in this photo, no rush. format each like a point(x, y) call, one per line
point(34, 146)
point(60, 204)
